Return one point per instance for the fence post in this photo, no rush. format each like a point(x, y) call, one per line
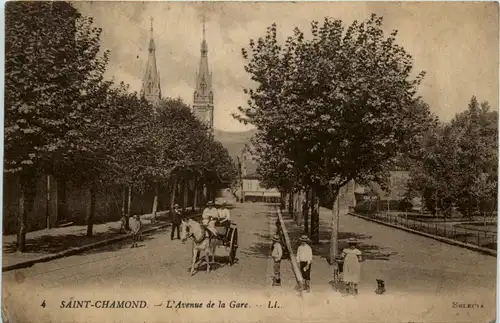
point(478, 239)
point(436, 227)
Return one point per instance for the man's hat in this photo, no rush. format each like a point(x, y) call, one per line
point(176, 205)
point(352, 241)
point(210, 203)
point(304, 238)
point(276, 238)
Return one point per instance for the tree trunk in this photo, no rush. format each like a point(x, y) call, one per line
point(315, 216)
point(61, 200)
point(129, 207)
point(242, 195)
point(91, 211)
point(47, 213)
point(201, 192)
point(311, 222)
point(299, 208)
point(172, 194)
point(155, 200)
point(22, 218)
point(282, 200)
point(213, 192)
point(205, 194)
point(124, 199)
point(305, 211)
point(334, 228)
point(290, 203)
point(185, 197)
point(195, 194)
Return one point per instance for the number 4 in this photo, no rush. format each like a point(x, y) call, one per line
point(43, 304)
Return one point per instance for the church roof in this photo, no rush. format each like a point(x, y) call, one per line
point(204, 77)
point(151, 80)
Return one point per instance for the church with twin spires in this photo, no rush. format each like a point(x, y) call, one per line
point(203, 98)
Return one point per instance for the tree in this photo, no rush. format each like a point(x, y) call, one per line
point(52, 62)
point(341, 105)
point(458, 163)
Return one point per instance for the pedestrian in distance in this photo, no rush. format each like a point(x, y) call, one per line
point(176, 222)
point(123, 224)
point(352, 267)
point(277, 254)
point(304, 258)
point(135, 227)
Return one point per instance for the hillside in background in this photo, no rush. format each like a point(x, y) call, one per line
point(234, 141)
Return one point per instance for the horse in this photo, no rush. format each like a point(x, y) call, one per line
point(202, 241)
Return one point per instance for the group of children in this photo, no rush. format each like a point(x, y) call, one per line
point(351, 257)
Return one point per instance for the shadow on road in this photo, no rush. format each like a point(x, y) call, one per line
point(124, 244)
point(261, 249)
point(48, 244)
point(322, 249)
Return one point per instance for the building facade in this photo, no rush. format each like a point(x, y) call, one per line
point(254, 192)
point(203, 98)
point(151, 88)
point(250, 183)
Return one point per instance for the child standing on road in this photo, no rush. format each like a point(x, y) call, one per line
point(352, 267)
point(277, 254)
point(135, 227)
point(304, 258)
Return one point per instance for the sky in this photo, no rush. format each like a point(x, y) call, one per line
point(455, 43)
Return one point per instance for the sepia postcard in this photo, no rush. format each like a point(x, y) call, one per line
point(250, 161)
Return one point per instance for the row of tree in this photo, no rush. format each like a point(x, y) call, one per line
point(337, 105)
point(62, 118)
point(457, 165)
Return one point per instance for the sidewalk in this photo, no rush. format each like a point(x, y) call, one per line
point(49, 244)
point(410, 264)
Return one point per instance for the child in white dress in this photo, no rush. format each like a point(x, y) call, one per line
point(352, 268)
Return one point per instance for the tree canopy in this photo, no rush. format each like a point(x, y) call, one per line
point(62, 118)
point(335, 106)
point(458, 162)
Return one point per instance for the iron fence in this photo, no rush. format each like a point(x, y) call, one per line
point(481, 238)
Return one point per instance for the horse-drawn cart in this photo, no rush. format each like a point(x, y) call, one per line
point(228, 235)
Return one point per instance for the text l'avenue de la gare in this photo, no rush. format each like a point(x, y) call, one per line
point(175, 304)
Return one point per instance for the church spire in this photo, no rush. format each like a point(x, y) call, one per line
point(203, 95)
point(203, 83)
point(151, 89)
